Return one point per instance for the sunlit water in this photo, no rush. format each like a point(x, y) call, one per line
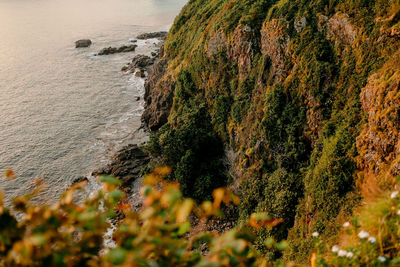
point(63, 111)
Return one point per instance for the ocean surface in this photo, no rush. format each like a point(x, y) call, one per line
point(64, 111)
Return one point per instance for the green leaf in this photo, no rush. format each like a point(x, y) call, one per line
point(116, 194)
point(117, 256)
point(109, 180)
point(184, 228)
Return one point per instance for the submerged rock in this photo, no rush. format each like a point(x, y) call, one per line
point(149, 35)
point(83, 43)
point(126, 164)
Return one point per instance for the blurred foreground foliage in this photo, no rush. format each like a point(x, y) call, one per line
point(163, 231)
point(68, 233)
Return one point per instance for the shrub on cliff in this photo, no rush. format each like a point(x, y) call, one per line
point(195, 153)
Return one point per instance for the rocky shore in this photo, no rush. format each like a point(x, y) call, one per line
point(128, 163)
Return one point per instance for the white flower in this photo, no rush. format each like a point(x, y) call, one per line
point(349, 255)
point(372, 239)
point(346, 224)
point(315, 234)
point(335, 249)
point(363, 234)
point(398, 212)
point(394, 194)
point(342, 253)
point(381, 259)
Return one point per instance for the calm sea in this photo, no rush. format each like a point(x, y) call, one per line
point(63, 111)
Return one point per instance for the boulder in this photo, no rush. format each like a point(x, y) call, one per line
point(83, 43)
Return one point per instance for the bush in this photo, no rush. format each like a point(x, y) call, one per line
point(195, 153)
point(160, 234)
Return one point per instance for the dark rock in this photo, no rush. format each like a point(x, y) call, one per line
point(78, 180)
point(149, 35)
point(158, 95)
point(125, 68)
point(126, 164)
point(140, 73)
point(113, 50)
point(83, 43)
point(138, 98)
point(140, 62)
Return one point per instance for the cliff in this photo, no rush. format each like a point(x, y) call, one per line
point(294, 104)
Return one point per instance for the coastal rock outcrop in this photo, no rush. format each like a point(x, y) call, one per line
point(150, 35)
point(141, 62)
point(159, 92)
point(126, 165)
point(114, 50)
point(83, 43)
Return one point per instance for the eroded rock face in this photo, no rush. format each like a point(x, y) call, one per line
point(274, 43)
point(159, 92)
point(126, 164)
point(241, 49)
point(338, 27)
point(216, 44)
point(379, 142)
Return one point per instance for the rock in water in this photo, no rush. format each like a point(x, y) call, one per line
point(83, 43)
point(78, 180)
point(113, 50)
point(149, 35)
point(142, 62)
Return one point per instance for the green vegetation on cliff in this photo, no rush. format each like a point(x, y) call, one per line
point(283, 84)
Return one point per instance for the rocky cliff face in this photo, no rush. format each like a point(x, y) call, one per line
point(274, 44)
point(379, 143)
point(304, 95)
point(159, 90)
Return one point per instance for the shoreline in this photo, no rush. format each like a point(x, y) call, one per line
point(128, 161)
